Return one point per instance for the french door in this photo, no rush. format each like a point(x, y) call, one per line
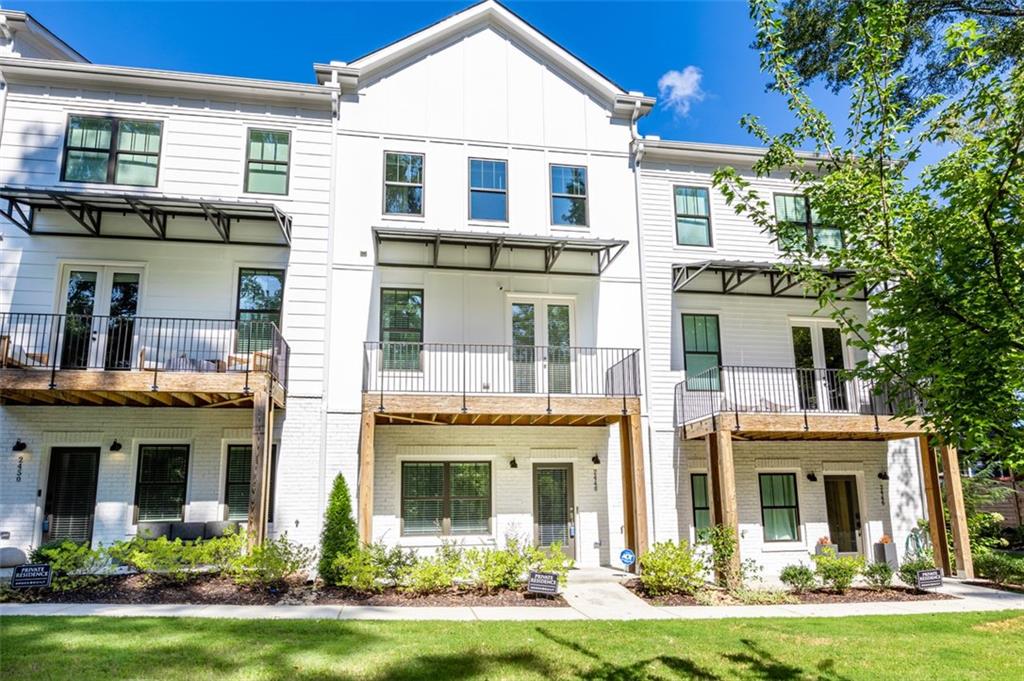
point(820, 355)
point(99, 304)
point(541, 346)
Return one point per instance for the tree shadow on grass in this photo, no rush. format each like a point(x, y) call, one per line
point(764, 665)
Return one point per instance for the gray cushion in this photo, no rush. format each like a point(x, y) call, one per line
point(217, 528)
point(12, 556)
point(187, 531)
point(153, 530)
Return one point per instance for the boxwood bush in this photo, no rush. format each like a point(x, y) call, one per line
point(671, 568)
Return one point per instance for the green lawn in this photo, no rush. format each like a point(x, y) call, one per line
point(963, 646)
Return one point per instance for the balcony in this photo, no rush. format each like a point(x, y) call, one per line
point(139, 361)
point(485, 384)
point(763, 403)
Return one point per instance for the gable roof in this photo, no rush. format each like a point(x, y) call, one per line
point(487, 13)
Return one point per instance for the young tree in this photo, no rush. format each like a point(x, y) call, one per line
point(940, 252)
point(340, 535)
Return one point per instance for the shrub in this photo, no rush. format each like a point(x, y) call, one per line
point(554, 560)
point(157, 558)
point(837, 572)
point(879, 575)
point(493, 569)
point(428, 576)
point(38, 555)
point(75, 566)
point(671, 568)
point(1001, 568)
point(799, 578)
point(761, 596)
point(908, 571)
point(722, 541)
point(358, 571)
point(218, 554)
point(271, 563)
point(339, 536)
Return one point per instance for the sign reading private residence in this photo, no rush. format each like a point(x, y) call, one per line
point(929, 579)
point(31, 576)
point(543, 583)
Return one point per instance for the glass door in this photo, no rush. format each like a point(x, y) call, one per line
point(100, 304)
point(541, 347)
point(843, 507)
point(553, 507)
point(819, 355)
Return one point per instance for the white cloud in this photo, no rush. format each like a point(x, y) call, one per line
point(680, 89)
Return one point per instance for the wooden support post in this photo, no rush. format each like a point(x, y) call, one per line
point(365, 514)
point(933, 504)
point(259, 472)
point(957, 513)
point(723, 485)
point(639, 481)
point(628, 502)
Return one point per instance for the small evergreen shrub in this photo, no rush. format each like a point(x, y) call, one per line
point(554, 560)
point(271, 564)
point(908, 571)
point(671, 568)
point(428, 576)
point(75, 566)
point(762, 596)
point(799, 578)
point(837, 572)
point(359, 571)
point(1001, 568)
point(340, 535)
point(494, 569)
point(158, 559)
point(879, 575)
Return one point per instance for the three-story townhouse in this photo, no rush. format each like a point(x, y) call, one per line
point(162, 286)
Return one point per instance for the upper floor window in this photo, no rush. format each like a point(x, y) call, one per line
point(693, 216)
point(266, 162)
point(112, 151)
point(488, 190)
point(569, 195)
point(260, 299)
point(401, 328)
point(804, 230)
point(702, 352)
point(403, 184)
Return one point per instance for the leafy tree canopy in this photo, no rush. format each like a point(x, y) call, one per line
point(941, 251)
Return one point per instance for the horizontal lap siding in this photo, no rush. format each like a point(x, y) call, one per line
point(202, 155)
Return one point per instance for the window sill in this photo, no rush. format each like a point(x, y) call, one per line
point(430, 540)
point(401, 217)
point(570, 228)
point(503, 224)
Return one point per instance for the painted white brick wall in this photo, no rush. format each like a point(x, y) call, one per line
point(206, 431)
point(597, 490)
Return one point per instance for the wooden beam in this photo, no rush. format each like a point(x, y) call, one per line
point(639, 480)
point(410, 419)
point(366, 456)
point(261, 427)
point(725, 472)
point(957, 513)
point(933, 504)
point(628, 505)
point(404, 403)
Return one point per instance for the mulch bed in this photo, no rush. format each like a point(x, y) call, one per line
point(214, 590)
point(854, 595)
point(1012, 588)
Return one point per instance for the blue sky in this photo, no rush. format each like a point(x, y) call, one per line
point(633, 43)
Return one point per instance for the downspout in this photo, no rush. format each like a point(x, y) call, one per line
point(637, 147)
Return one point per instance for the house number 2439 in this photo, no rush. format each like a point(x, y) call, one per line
point(17, 472)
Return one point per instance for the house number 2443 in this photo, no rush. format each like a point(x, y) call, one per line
point(17, 472)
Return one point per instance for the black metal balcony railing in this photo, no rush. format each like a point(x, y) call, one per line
point(782, 390)
point(57, 342)
point(482, 369)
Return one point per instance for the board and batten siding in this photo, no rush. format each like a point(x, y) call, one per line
point(202, 155)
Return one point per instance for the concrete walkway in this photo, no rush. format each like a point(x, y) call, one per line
point(592, 594)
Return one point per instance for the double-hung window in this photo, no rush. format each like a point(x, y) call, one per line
point(260, 298)
point(569, 195)
point(266, 161)
point(401, 328)
point(161, 483)
point(236, 486)
point(800, 228)
point(693, 216)
point(701, 505)
point(446, 498)
point(488, 190)
point(112, 151)
point(780, 514)
point(702, 352)
point(403, 183)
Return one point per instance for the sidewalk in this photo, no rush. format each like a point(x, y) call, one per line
point(591, 597)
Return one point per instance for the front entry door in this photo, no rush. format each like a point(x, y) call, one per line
point(553, 516)
point(100, 304)
point(843, 508)
point(71, 493)
point(541, 346)
point(819, 356)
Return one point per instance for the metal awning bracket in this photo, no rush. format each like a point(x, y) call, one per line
point(84, 214)
point(154, 218)
point(284, 221)
point(684, 276)
point(18, 217)
point(496, 251)
point(220, 222)
point(551, 254)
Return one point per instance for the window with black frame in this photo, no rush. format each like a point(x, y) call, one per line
point(260, 298)
point(569, 195)
point(446, 498)
point(488, 190)
point(702, 352)
point(701, 503)
point(780, 513)
point(693, 216)
point(403, 183)
point(238, 479)
point(401, 328)
point(161, 483)
point(112, 151)
point(268, 153)
point(800, 226)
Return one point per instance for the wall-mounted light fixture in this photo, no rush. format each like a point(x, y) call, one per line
point(883, 476)
point(811, 477)
point(115, 446)
point(513, 463)
point(19, 446)
point(596, 460)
